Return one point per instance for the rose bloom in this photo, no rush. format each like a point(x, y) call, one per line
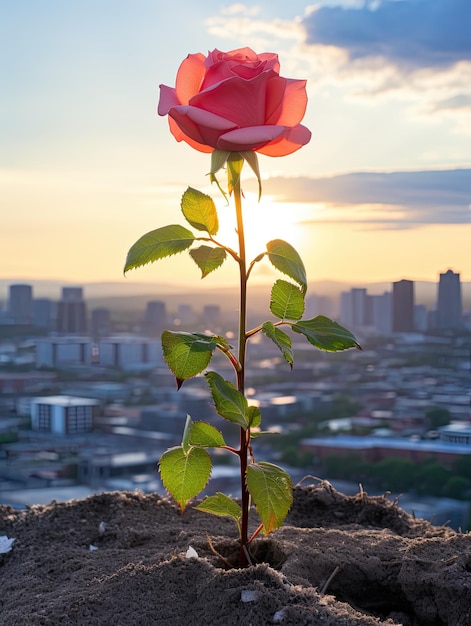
point(236, 101)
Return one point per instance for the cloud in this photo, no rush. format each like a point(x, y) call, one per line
point(460, 102)
point(409, 34)
point(396, 199)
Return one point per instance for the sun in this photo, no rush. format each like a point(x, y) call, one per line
point(263, 221)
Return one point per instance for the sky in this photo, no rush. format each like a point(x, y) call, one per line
point(382, 191)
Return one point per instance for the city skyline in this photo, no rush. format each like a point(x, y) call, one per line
point(382, 192)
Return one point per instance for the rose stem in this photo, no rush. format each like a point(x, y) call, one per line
point(244, 434)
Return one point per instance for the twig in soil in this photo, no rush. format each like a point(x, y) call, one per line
point(308, 476)
point(227, 563)
point(329, 580)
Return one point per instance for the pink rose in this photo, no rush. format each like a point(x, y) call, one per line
point(236, 101)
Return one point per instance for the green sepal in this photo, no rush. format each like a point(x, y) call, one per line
point(200, 211)
point(287, 301)
point(218, 161)
point(281, 340)
point(187, 354)
point(158, 244)
point(208, 258)
point(234, 169)
point(205, 435)
point(326, 334)
point(252, 159)
point(230, 403)
point(285, 258)
point(222, 505)
point(271, 489)
point(185, 474)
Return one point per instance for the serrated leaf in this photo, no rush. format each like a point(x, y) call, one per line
point(185, 474)
point(254, 416)
point(230, 403)
point(271, 489)
point(280, 339)
point(326, 334)
point(205, 435)
point(208, 258)
point(287, 301)
point(222, 505)
point(187, 354)
point(286, 260)
point(158, 244)
point(200, 211)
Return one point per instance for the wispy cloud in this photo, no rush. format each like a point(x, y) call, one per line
point(392, 199)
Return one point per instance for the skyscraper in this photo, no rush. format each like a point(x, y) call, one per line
point(72, 311)
point(20, 304)
point(450, 305)
point(156, 317)
point(403, 306)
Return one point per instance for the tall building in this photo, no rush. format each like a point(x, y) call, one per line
point(450, 304)
point(20, 304)
point(156, 317)
point(354, 308)
point(382, 311)
point(100, 322)
point(72, 312)
point(43, 313)
point(403, 306)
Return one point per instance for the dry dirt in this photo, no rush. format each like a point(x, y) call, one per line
point(338, 560)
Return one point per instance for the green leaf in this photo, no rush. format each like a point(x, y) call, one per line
point(252, 159)
point(286, 260)
point(287, 301)
point(326, 334)
point(230, 403)
point(254, 416)
point(271, 489)
point(208, 259)
point(200, 211)
point(222, 505)
point(187, 354)
point(158, 244)
point(259, 433)
point(205, 435)
point(281, 339)
point(185, 474)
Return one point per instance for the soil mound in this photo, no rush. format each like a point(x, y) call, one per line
point(120, 558)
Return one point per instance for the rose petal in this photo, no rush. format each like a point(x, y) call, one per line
point(292, 105)
point(201, 126)
point(241, 101)
point(250, 138)
point(189, 77)
point(180, 136)
point(168, 99)
point(291, 140)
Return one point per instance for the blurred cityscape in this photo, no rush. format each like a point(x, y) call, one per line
point(87, 403)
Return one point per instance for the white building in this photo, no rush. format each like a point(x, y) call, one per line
point(62, 351)
point(63, 415)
